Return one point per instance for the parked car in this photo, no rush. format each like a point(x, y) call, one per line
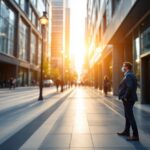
point(48, 83)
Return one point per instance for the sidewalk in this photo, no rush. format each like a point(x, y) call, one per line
point(83, 121)
point(19, 110)
point(141, 112)
point(21, 97)
point(138, 105)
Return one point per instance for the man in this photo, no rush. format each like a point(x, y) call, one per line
point(57, 83)
point(127, 93)
point(14, 83)
point(10, 83)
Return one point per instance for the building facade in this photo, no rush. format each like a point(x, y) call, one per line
point(118, 31)
point(60, 37)
point(67, 65)
point(21, 40)
point(57, 32)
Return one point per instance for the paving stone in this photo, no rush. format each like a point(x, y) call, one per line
point(81, 140)
point(56, 141)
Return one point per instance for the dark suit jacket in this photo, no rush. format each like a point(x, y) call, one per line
point(128, 87)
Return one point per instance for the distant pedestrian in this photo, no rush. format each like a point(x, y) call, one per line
point(10, 83)
point(33, 82)
point(14, 83)
point(106, 85)
point(127, 93)
point(62, 85)
point(57, 83)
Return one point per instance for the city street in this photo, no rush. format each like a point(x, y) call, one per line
point(64, 65)
point(77, 119)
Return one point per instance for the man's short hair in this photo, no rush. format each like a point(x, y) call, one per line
point(128, 65)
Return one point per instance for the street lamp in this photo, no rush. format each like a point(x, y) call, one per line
point(43, 21)
point(62, 74)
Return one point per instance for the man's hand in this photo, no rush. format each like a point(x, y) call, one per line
point(125, 100)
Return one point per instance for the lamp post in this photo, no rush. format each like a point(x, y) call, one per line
point(62, 74)
point(43, 21)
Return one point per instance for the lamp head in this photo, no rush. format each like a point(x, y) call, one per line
point(44, 19)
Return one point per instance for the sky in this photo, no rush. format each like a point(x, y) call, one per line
point(77, 31)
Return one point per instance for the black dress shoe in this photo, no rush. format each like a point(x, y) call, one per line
point(123, 134)
point(133, 138)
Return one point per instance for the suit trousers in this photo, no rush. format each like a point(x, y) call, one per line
point(129, 117)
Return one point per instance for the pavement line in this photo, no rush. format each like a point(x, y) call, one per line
point(22, 105)
point(18, 139)
point(43, 131)
point(116, 112)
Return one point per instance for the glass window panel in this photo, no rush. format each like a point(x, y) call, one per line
point(115, 4)
point(30, 13)
point(24, 40)
point(40, 7)
point(34, 18)
point(17, 1)
point(137, 58)
point(33, 48)
point(7, 29)
point(22, 4)
point(34, 2)
point(108, 12)
point(145, 40)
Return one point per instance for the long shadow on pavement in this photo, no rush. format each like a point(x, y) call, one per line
point(18, 139)
point(24, 105)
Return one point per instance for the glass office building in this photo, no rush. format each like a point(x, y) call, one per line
point(119, 31)
point(20, 40)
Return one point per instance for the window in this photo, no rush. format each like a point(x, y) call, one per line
point(34, 3)
point(33, 48)
point(145, 35)
point(57, 12)
point(7, 29)
point(39, 27)
point(23, 5)
point(145, 40)
point(30, 13)
point(32, 16)
point(40, 7)
point(115, 4)
point(23, 40)
point(137, 57)
point(104, 22)
point(137, 49)
point(17, 1)
point(58, 4)
point(108, 12)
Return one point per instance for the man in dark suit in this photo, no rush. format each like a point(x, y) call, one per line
point(127, 93)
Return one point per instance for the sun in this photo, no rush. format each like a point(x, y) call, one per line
point(77, 48)
point(77, 33)
point(77, 56)
point(79, 60)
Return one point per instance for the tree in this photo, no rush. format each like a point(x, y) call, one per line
point(55, 73)
point(46, 68)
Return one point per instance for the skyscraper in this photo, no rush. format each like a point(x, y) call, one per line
point(57, 32)
point(60, 35)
